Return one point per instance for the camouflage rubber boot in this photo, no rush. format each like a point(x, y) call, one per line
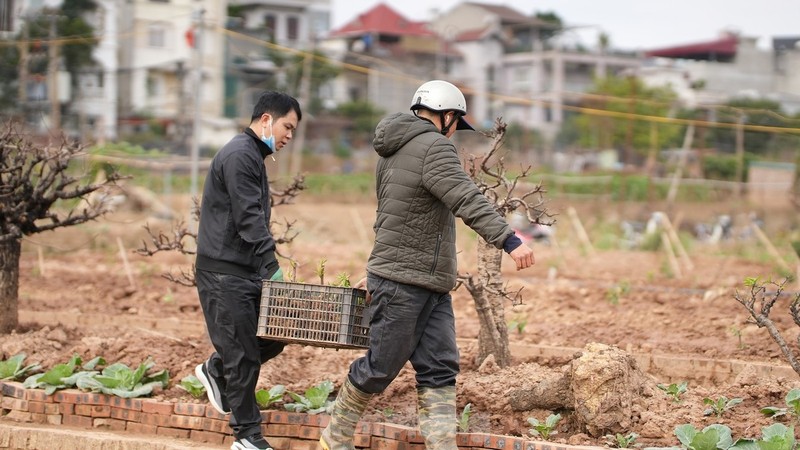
point(348, 408)
point(437, 417)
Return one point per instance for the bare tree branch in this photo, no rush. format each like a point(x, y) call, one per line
point(488, 291)
point(38, 192)
point(766, 300)
point(34, 178)
point(162, 243)
point(489, 173)
point(186, 278)
point(287, 195)
point(184, 241)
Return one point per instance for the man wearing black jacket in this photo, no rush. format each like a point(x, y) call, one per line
point(235, 252)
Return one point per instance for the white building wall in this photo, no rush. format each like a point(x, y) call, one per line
point(479, 57)
point(787, 86)
point(97, 94)
point(313, 18)
point(152, 83)
point(158, 34)
point(752, 74)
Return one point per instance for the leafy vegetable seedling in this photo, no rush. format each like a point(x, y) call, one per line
point(12, 368)
point(123, 381)
point(793, 403)
point(463, 420)
point(193, 386)
point(674, 390)
point(622, 441)
point(720, 405)
point(546, 429)
point(62, 376)
point(314, 401)
point(718, 437)
point(712, 437)
point(265, 398)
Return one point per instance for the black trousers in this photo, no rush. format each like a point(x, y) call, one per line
point(409, 323)
point(230, 307)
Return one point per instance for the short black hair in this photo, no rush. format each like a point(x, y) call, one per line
point(276, 104)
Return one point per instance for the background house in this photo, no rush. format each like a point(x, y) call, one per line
point(158, 75)
point(262, 42)
point(523, 67)
point(516, 66)
point(727, 67)
point(387, 57)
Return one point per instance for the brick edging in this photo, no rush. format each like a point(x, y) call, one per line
point(202, 423)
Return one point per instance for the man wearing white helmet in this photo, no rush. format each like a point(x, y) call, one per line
point(421, 188)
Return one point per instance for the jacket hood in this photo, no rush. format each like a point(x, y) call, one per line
point(394, 131)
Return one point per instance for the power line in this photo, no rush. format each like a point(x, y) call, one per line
point(492, 95)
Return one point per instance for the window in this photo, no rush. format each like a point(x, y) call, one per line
point(156, 36)
point(320, 22)
point(269, 24)
point(153, 86)
point(521, 79)
point(292, 28)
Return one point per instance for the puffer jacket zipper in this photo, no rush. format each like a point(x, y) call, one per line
point(436, 253)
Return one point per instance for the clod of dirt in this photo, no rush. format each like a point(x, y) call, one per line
point(607, 387)
point(489, 365)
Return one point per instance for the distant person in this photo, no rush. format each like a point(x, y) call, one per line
point(235, 252)
point(421, 188)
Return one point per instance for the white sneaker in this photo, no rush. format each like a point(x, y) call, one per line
point(255, 442)
point(212, 389)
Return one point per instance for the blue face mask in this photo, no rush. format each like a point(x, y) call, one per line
point(270, 141)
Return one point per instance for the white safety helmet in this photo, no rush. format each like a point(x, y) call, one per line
point(441, 96)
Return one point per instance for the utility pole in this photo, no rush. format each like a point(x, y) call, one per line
point(688, 139)
point(23, 66)
point(181, 129)
point(195, 153)
point(305, 95)
point(740, 153)
point(52, 74)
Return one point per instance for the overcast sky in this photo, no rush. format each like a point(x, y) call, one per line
point(631, 24)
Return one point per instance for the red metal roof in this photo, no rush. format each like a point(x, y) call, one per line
point(383, 20)
point(722, 47)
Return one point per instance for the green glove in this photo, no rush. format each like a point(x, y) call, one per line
point(277, 276)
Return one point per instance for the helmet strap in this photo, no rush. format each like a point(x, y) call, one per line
point(446, 126)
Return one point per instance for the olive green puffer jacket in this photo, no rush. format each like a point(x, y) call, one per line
point(421, 188)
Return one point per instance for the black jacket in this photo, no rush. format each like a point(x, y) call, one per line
point(233, 236)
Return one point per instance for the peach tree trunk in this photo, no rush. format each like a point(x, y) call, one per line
point(493, 336)
point(9, 284)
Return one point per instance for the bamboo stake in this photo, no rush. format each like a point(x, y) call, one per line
point(41, 260)
point(125, 263)
point(770, 248)
point(673, 261)
point(582, 235)
point(678, 220)
point(687, 262)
